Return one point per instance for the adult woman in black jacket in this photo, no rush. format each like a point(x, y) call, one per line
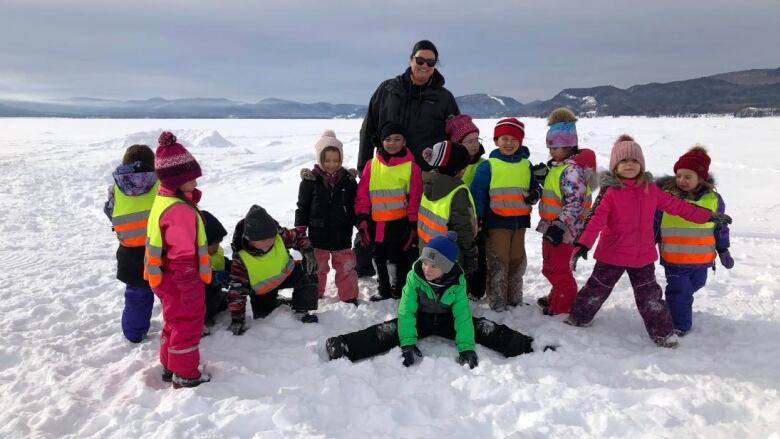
point(415, 99)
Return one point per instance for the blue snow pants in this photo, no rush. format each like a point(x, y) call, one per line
point(681, 283)
point(137, 312)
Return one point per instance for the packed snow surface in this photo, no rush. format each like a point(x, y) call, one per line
point(67, 371)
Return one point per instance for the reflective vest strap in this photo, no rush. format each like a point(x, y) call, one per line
point(687, 245)
point(388, 189)
point(267, 285)
point(430, 225)
point(183, 351)
point(204, 263)
point(509, 201)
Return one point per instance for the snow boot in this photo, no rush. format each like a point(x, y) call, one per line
point(237, 326)
point(179, 382)
point(335, 347)
point(352, 302)
point(570, 321)
point(383, 293)
point(167, 375)
point(306, 317)
point(670, 341)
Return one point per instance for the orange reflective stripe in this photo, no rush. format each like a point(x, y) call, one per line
point(136, 241)
point(689, 240)
point(688, 258)
point(388, 215)
point(140, 224)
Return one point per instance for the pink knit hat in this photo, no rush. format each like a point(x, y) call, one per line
point(328, 139)
point(458, 127)
point(625, 148)
point(173, 164)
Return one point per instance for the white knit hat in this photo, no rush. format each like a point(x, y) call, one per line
point(328, 139)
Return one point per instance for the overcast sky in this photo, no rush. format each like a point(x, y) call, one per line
point(340, 51)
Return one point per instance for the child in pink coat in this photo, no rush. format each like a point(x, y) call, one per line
point(388, 199)
point(179, 269)
point(624, 214)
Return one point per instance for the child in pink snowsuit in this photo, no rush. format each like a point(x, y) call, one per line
point(326, 206)
point(624, 214)
point(177, 263)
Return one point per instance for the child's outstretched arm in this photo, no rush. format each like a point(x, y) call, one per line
point(680, 207)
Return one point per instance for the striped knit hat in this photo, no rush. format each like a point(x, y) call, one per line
point(511, 126)
point(173, 164)
point(448, 157)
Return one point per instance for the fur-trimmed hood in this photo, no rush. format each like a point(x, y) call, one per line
point(668, 183)
point(608, 179)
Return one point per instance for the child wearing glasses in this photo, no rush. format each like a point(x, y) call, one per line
point(461, 129)
point(504, 190)
point(387, 202)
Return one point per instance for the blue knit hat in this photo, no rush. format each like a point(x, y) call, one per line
point(442, 251)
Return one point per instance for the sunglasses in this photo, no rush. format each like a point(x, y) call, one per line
point(420, 61)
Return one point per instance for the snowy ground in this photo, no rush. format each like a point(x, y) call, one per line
point(66, 370)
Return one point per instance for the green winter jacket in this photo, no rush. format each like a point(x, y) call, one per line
point(418, 295)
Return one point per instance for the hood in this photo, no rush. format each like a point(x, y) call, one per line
point(521, 153)
point(436, 186)
point(668, 183)
point(132, 180)
point(608, 179)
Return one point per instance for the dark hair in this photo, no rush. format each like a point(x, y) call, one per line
point(139, 153)
point(424, 45)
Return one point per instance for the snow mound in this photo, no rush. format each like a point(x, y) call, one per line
point(188, 138)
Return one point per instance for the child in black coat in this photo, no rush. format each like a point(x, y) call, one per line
point(326, 207)
point(216, 300)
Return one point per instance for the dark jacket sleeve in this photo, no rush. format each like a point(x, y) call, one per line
point(722, 234)
point(305, 195)
point(461, 221)
point(369, 132)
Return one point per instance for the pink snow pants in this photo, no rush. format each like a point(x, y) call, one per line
point(183, 308)
point(344, 265)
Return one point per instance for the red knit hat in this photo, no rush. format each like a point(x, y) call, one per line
point(511, 126)
point(173, 164)
point(458, 127)
point(696, 160)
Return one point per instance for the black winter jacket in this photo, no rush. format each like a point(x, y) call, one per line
point(327, 211)
point(422, 111)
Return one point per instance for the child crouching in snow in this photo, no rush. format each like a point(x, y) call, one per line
point(129, 200)
point(688, 249)
point(326, 206)
point(623, 216)
point(262, 266)
point(433, 302)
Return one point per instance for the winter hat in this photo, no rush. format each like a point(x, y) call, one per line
point(328, 139)
point(563, 131)
point(448, 157)
point(173, 164)
point(389, 128)
point(215, 231)
point(696, 160)
point(625, 148)
point(258, 224)
point(459, 126)
point(511, 126)
point(442, 251)
point(142, 154)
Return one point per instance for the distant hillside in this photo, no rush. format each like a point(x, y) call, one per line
point(744, 93)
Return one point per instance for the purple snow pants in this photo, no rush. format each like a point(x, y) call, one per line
point(647, 293)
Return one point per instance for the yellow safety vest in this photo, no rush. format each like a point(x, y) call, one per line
point(471, 171)
point(551, 204)
point(509, 184)
point(388, 189)
point(130, 215)
point(154, 243)
point(268, 271)
point(684, 242)
point(433, 217)
point(218, 260)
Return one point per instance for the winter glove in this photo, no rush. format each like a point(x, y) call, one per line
point(237, 326)
point(411, 236)
point(364, 230)
point(408, 354)
point(468, 357)
point(720, 218)
point(309, 261)
point(220, 278)
point(539, 172)
point(581, 252)
point(533, 196)
point(554, 234)
point(726, 260)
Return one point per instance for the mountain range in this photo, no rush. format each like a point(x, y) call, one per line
point(750, 92)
